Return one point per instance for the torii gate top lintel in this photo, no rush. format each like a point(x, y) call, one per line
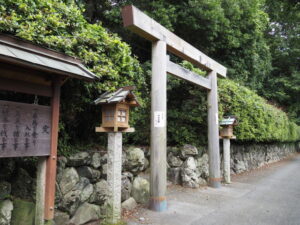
point(143, 25)
point(164, 40)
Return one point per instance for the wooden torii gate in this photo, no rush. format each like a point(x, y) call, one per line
point(164, 40)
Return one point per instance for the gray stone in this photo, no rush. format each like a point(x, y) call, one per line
point(5, 189)
point(188, 150)
point(69, 179)
point(70, 202)
point(146, 164)
point(201, 181)
point(174, 175)
point(174, 161)
point(6, 208)
point(100, 194)
point(129, 204)
point(89, 172)
point(239, 166)
point(61, 218)
point(96, 160)
point(135, 160)
point(103, 159)
point(87, 193)
point(140, 190)
point(174, 150)
point(104, 170)
point(61, 165)
point(189, 175)
point(86, 213)
point(126, 187)
point(128, 175)
point(202, 166)
point(79, 159)
point(80, 193)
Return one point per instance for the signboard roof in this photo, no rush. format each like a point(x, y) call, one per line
point(22, 52)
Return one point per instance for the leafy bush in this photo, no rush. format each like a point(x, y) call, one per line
point(61, 26)
point(258, 120)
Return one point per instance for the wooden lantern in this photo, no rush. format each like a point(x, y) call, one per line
point(115, 109)
point(227, 124)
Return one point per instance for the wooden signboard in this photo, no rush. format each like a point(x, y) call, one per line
point(25, 129)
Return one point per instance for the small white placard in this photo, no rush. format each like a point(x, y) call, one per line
point(217, 118)
point(159, 119)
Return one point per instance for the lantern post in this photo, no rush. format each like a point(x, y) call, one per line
point(115, 116)
point(226, 133)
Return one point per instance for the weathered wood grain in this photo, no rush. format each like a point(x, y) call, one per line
point(185, 74)
point(52, 159)
point(143, 25)
point(40, 191)
point(24, 129)
point(213, 133)
point(158, 177)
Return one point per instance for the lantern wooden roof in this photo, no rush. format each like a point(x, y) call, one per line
point(123, 94)
point(229, 120)
point(23, 53)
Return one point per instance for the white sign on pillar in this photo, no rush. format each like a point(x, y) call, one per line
point(159, 119)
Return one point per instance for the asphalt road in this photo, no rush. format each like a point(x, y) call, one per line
point(267, 196)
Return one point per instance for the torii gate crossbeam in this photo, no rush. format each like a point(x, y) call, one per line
point(164, 40)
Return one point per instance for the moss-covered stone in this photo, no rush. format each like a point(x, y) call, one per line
point(50, 222)
point(23, 213)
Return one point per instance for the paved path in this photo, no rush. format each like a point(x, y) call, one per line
point(267, 196)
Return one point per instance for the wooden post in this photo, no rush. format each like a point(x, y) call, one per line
point(40, 191)
point(158, 178)
point(213, 133)
point(52, 159)
point(226, 159)
point(114, 176)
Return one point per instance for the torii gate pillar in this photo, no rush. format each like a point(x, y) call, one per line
point(213, 133)
point(158, 177)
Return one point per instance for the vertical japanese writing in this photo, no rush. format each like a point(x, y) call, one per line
point(3, 132)
point(46, 129)
point(16, 133)
point(24, 129)
point(34, 126)
point(27, 136)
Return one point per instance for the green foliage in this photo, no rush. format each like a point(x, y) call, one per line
point(61, 26)
point(230, 31)
point(258, 120)
point(233, 29)
point(283, 85)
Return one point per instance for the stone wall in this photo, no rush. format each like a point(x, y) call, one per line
point(82, 190)
point(188, 166)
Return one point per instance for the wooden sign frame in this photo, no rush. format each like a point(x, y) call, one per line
point(31, 69)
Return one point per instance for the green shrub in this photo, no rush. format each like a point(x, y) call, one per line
point(61, 26)
point(258, 120)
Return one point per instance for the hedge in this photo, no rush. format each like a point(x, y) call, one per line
point(258, 120)
point(61, 26)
